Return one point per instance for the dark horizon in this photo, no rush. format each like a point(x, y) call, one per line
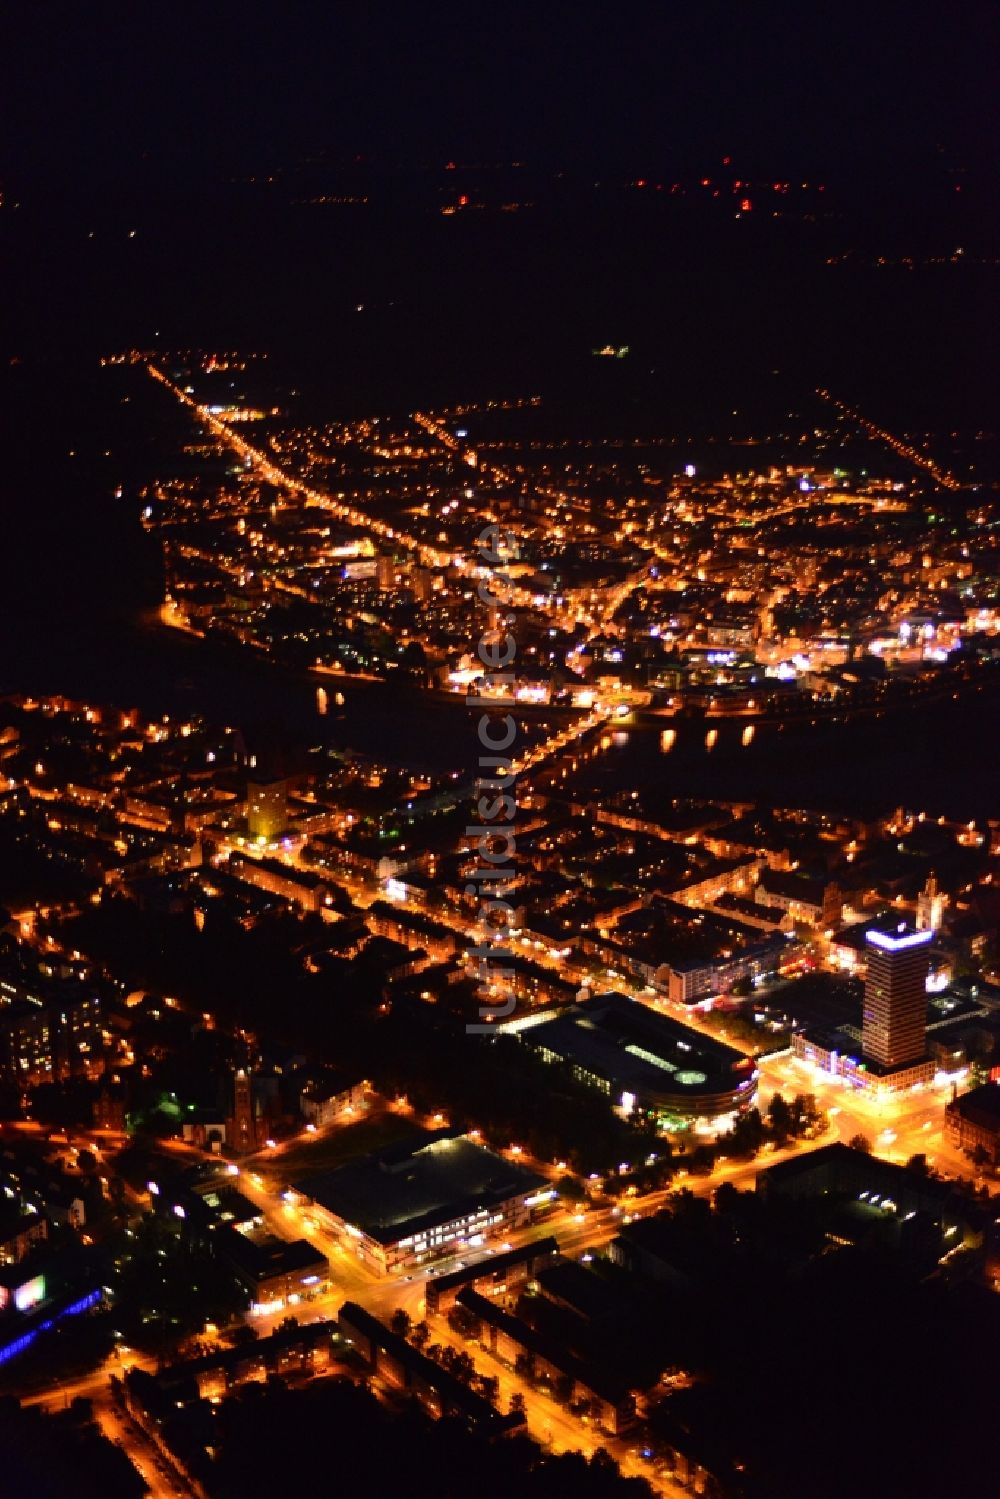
point(168, 94)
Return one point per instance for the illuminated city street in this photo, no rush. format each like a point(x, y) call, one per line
point(499, 833)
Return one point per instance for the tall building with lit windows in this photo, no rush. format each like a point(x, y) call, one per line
point(267, 807)
point(385, 572)
point(894, 1029)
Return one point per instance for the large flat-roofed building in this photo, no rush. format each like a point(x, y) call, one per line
point(838, 1052)
point(408, 1204)
point(840, 1171)
point(274, 1272)
point(497, 1276)
point(888, 1053)
point(691, 982)
point(300, 887)
point(972, 1121)
point(894, 1033)
point(646, 1061)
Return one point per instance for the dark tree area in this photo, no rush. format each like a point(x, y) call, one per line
point(345, 1014)
point(248, 978)
point(822, 1371)
point(333, 1426)
point(782, 1123)
point(900, 1417)
point(52, 1456)
point(70, 1349)
point(166, 1287)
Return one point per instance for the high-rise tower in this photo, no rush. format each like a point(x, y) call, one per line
point(894, 1031)
point(267, 807)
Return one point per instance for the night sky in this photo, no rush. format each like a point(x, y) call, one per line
point(166, 92)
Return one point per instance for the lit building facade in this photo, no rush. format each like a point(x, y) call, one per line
point(893, 1053)
point(894, 1029)
point(646, 1062)
point(267, 808)
point(416, 1202)
point(972, 1121)
point(931, 905)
